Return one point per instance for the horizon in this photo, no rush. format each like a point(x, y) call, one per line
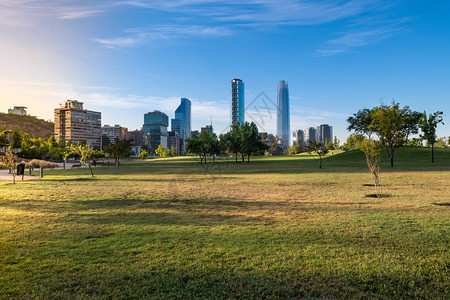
point(127, 58)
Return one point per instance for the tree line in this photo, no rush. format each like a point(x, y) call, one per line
point(242, 140)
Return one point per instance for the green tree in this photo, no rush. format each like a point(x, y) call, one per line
point(4, 142)
point(372, 150)
point(336, 143)
point(411, 123)
point(233, 140)
point(388, 122)
point(250, 140)
point(120, 148)
point(173, 151)
point(428, 125)
point(105, 141)
point(361, 122)
point(143, 154)
point(440, 143)
point(16, 140)
point(318, 148)
point(84, 152)
point(352, 141)
point(295, 149)
point(52, 143)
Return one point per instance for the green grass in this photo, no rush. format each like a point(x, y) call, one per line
point(275, 228)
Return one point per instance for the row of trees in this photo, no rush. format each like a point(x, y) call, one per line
point(393, 125)
point(242, 140)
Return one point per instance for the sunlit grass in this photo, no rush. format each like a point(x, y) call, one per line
point(275, 228)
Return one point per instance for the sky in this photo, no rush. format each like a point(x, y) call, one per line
point(126, 58)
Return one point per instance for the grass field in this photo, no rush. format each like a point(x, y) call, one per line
point(276, 228)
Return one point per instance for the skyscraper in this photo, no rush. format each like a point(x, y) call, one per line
point(324, 133)
point(237, 102)
point(310, 135)
point(155, 130)
point(76, 124)
point(182, 122)
point(298, 138)
point(283, 119)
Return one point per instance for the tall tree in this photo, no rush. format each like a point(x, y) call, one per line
point(16, 140)
point(233, 140)
point(428, 125)
point(388, 122)
point(250, 140)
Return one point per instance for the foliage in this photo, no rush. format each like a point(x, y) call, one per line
point(250, 140)
point(173, 151)
point(16, 140)
point(411, 123)
point(9, 160)
point(119, 149)
point(105, 141)
point(294, 150)
point(4, 142)
point(232, 140)
point(372, 150)
point(389, 122)
point(319, 149)
point(143, 155)
point(440, 143)
point(417, 142)
point(361, 122)
point(428, 125)
point(83, 151)
point(336, 143)
point(161, 151)
point(352, 141)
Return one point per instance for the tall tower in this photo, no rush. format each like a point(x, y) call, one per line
point(182, 121)
point(237, 102)
point(283, 119)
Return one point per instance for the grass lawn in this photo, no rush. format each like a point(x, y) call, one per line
point(275, 228)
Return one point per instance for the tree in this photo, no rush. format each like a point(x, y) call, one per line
point(361, 122)
point(193, 145)
point(173, 151)
point(440, 143)
point(105, 141)
point(411, 125)
point(16, 140)
point(161, 151)
point(250, 140)
point(83, 151)
point(120, 148)
point(143, 154)
point(4, 142)
point(417, 142)
point(52, 143)
point(352, 141)
point(295, 149)
point(274, 148)
point(428, 125)
point(388, 122)
point(336, 143)
point(372, 150)
point(10, 161)
point(233, 140)
point(319, 149)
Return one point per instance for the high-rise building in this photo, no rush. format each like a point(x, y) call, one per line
point(208, 128)
point(237, 102)
point(310, 135)
point(155, 130)
point(113, 132)
point(324, 133)
point(182, 122)
point(298, 138)
point(18, 110)
point(195, 132)
point(283, 118)
point(135, 136)
point(75, 124)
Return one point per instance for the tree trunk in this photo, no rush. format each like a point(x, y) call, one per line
point(243, 157)
point(432, 153)
point(320, 162)
point(90, 169)
point(248, 158)
point(236, 156)
point(392, 158)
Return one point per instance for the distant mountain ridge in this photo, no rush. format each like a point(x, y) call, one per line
point(36, 128)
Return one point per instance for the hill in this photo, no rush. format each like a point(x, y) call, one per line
point(35, 127)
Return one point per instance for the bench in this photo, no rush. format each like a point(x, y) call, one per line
point(76, 165)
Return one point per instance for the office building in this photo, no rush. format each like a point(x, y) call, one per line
point(135, 136)
point(283, 118)
point(18, 110)
point(237, 102)
point(113, 132)
point(195, 132)
point(298, 138)
point(310, 135)
point(75, 124)
point(174, 140)
point(155, 130)
point(324, 133)
point(208, 128)
point(182, 122)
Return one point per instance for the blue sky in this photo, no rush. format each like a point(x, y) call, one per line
point(125, 58)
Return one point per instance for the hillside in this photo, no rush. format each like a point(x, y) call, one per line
point(34, 127)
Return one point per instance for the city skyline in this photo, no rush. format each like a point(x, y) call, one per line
point(283, 114)
point(130, 57)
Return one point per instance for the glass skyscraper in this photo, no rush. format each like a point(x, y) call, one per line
point(283, 119)
point(182, 121)
point(237, 102)
point(155, 130)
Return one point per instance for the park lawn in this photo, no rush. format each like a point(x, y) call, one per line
point(275, 228)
